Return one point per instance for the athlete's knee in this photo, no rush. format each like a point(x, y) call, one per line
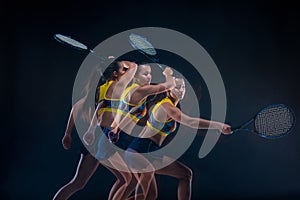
point(187, 175)
point(119, 182)
point(127, 179)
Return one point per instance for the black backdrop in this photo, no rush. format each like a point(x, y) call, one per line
point(254, 44)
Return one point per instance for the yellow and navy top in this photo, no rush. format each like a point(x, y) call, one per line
point(134, 111)
point(163, 128)
point(107, 105)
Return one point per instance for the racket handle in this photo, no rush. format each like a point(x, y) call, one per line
point(235, 129)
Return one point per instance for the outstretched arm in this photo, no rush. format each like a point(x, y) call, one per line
point(197, 123)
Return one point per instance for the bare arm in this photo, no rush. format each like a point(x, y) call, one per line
point(125, 79)
point(89, 135)
point(143, 92)
point(146, 90)
point(70, 123)
point(120, 124)
point(67, 139)
point(121, 85)
point(197, 123)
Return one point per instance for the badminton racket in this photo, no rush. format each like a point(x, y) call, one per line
point(141, 44)
point(67, 40)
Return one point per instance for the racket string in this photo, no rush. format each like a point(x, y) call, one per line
point(70, 41)
point(274, 121)
point(141, 43)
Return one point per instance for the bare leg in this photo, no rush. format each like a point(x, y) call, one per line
point(183, 174)
point(129, 187)
point(138, 193)
point(146, 179)
point(85, 169)
point(122, 186)
point(153, 188)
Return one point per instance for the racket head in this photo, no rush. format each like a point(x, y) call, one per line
point(274, 121)
point(141, 44)
point(67, 40)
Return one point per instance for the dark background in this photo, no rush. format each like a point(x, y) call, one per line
point(255, 45)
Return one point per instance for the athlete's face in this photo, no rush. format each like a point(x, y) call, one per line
point(143, 75)
point(179, 90)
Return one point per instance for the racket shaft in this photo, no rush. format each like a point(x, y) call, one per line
point(77, 45)
point(242, 126)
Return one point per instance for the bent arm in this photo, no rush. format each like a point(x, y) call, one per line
point(121, 85)
point(124, 80)
point(89, 135)
point(120, 124)
point(96, 120)
point(146, 90)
